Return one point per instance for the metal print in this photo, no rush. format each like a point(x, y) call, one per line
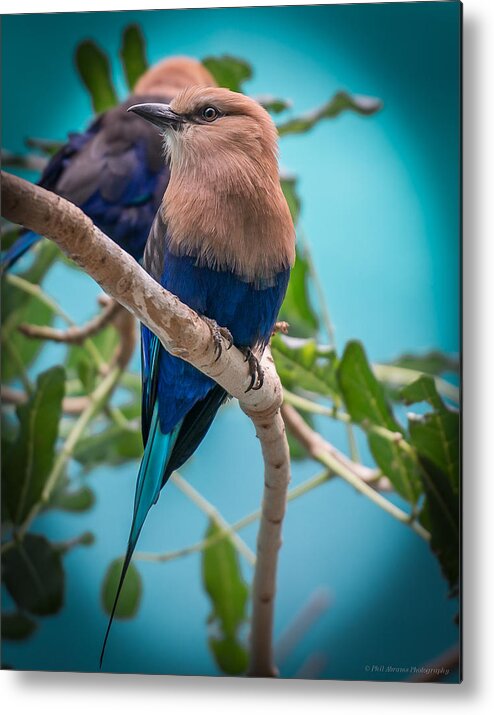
point(230, 342)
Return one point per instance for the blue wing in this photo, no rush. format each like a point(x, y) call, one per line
point(179, 402)
point(115, 173)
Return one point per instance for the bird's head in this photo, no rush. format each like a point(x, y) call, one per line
point(214, 128)
point(169, 76)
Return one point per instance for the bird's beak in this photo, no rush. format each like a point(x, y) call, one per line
point(159, 114)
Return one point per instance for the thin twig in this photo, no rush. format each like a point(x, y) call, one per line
point(242, 523)
point(75, 334)
point(324, 452)
point(211, 511)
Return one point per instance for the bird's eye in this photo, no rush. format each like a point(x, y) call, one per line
point(209, 114)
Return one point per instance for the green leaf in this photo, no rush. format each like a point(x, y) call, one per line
point(364, 396)
point(396, 464)
point(28, 461)
point(289, 188)
point(94, 69)
point(130, 595)
point(105, 342)
point(17, 626)
point(304, 365)
point(228, 71)
point(297, 308)
point(33, 575)
point(230, 655)
point(9, 237)
point(86, 371)
point(422, 390)
point(297, 452)
point(275, 105)
point(18, 307)
point(133, 54)
point(435, 435)
point(341, 102)
point(366, 403)
point(442, 518)
point(433, 362)
point(228, 592)
point(74, 501)
point(113, 445)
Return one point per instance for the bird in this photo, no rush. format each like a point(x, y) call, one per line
point(223, 242)
point(113, 171)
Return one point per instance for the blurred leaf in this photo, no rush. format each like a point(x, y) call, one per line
point(442, 519)
point(113, 445)
point(18, 307)
point(422, 390)
point(303, 365)
point(133, 54)
point(33, 575)
point(9, 237)
point(433, 362)
point(75, 501)
point(297, 452)
point(17, 626)
point(94, 70)
point(228, 71)
point(130, 595)
point(28, 461)
point(275, 105)
point(230, 655)
point(87, 538)
point(297, 309)
point(435, 435)
point(363, 394)
point(87, 371)
point(366, 403)
point(105, 341)
point(398, 465)
point(288, 185)
point(339, 103)
point(228, 592)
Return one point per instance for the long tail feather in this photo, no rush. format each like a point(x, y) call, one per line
point(18, 249)
point(149, 484)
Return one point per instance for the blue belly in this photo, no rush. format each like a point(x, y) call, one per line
point(249, 313)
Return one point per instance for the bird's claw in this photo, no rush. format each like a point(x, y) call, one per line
point(256, 371)
point(218, 334)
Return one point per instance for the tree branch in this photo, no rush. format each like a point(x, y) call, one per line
point(70, 405)
point(75, 334)
point(184, 334)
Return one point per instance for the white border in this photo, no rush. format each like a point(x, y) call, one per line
point(80, 693)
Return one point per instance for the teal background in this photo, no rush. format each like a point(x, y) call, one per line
point(381, 210)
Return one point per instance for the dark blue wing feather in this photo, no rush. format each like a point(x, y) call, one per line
point(115, 173)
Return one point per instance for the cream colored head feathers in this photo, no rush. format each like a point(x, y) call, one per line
point(172, 75)
point(224, 204)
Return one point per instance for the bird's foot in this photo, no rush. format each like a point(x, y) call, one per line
point(255, 370)
point(281, 327)
point(218, 334)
